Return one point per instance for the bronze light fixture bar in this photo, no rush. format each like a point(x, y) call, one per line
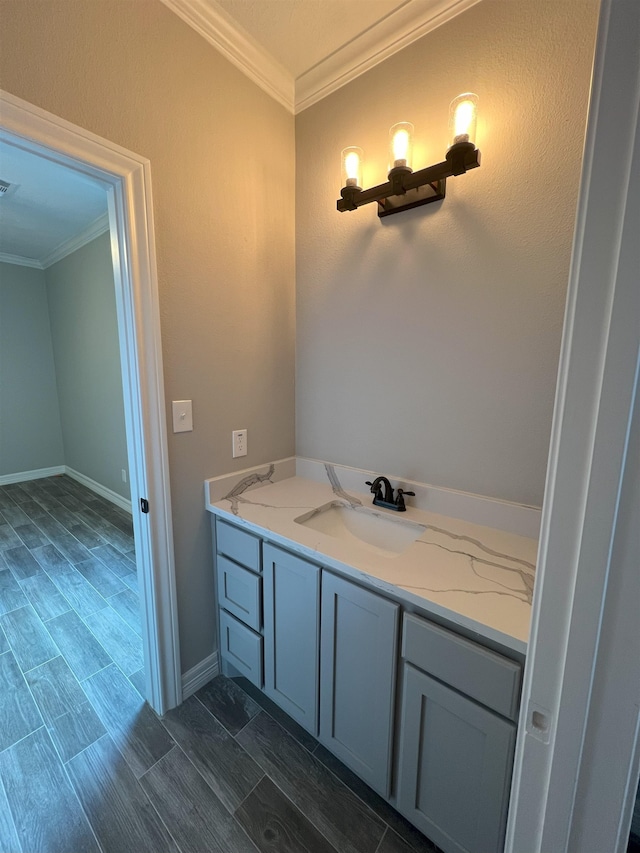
point(405, 188)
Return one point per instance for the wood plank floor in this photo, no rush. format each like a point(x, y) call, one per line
point(86, 765)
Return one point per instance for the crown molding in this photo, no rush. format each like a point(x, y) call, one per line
point(220, 30)
point(399, 29)
point(411, 21)
point(19, 261)
point(95, 229)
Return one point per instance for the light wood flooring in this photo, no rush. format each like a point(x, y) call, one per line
point(86, 765)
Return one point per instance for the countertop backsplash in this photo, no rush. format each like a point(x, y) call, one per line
point(477, 509)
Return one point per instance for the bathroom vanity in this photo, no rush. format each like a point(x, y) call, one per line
point(355, 634)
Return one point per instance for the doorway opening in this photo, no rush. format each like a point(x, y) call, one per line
point(126, 179)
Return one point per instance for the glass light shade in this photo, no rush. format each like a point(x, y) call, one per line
point(352, 167)
point(463, 115)
point(401, 146)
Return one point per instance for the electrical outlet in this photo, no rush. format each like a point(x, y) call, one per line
point(239, 442)
point(124, 475)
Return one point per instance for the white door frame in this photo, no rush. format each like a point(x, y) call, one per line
point(582, 507)
point(127, 180)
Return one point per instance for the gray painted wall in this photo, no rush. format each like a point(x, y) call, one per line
point(30, 433)
point(84, 332)
point(222, 166)
point(427, 345)
point(428, 342)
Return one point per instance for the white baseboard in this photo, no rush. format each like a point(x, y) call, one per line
point(103, 491)
point(37, 474)
point(199, 675)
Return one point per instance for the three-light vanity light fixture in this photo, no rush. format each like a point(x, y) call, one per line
point(405, 188)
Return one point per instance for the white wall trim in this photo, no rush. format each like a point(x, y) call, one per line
point(56, 470)
point(200, 674)
point(20, 261)
point(412, 20)
point(95, 229)
point(99, 489)
point(36, 474)
point(127, 178)
point(221, 31)
point(587, 457)
point(407, 24)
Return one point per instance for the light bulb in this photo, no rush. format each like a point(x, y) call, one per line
point(352, 167)
point(401, 146)
point(463, 115)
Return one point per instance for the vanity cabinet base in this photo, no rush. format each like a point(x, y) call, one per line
point(326, 651)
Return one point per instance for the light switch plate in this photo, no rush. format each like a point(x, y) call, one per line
point(182, 415)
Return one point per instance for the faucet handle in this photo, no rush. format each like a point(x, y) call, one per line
point(400, 498)
point(376, 489)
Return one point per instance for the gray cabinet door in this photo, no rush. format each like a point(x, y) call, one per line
point(455, 766)
point(358, 653)
point(291, 589)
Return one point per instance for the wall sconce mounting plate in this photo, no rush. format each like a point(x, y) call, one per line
point(416, 197)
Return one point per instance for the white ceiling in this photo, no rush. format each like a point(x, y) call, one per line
point(49, 209)
point(298, 51)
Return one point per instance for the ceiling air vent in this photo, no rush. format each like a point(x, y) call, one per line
point(4, 186)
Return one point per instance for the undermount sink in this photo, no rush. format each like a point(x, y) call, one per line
point(373, 528)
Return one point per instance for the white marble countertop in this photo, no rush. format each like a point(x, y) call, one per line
point(469, 575)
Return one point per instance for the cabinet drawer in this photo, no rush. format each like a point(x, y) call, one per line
point(239, 592)
point(241, 647)
point(483, 675)
point(241, 546)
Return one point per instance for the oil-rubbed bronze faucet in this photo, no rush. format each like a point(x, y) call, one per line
point(387, 501)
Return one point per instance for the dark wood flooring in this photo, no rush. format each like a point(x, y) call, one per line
point(86, 765)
